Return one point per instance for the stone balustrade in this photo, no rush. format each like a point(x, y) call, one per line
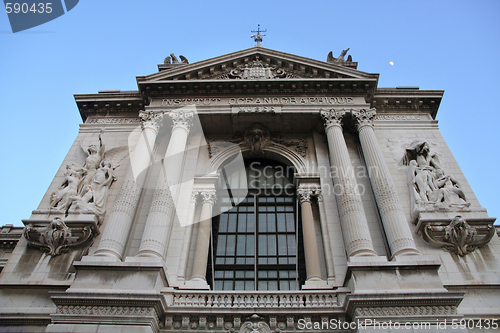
point(254, 299)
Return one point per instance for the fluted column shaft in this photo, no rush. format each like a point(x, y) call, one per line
point(162, 211)
point(393, 217)
point(326, 237)
point(313, 268)
point(203, 237)
point(187, 235)
point(355, 230)
point(118, 225)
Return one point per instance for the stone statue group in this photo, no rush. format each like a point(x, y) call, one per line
point(85, 189)
point(430, 187)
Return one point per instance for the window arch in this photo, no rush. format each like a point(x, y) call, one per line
point(257, 244)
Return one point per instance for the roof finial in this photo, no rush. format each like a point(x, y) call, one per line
point(258, 37)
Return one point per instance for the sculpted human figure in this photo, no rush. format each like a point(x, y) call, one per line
point(93, 197)
point(60, 199)
point(94, 156)
point(449, 191)
point(257, 136)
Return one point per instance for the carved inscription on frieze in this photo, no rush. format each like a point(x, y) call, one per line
point(266, 100)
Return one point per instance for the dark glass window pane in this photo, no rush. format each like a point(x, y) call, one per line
point(229, 261)
point(241, 248)
point(249, 274)
point(283, 261)
point(250, 223)
point(230, 247)
point(283, 274)
point(239, 274)
point(239, 285)
point(250, 261)
point(262, 223)
point(228, 285)
point(219, 284)
point(293, 285)
point(221, 245)
point(262, 261)
point(242, 222)
point(228, 274)
point(272, 285)
point(223, 223)
point(291, 245)
point(271, 222)
point(281, 221)
point(219, 274)
point(240, 261)
point(262, 245)
point(231, 226)
point(290, 222)
point(262, 274)
point(284, 285)
point(262, 285)
point(272, 274)
point(272, 261)
point(282, 248)
point(249, 285)
point(271, 245)
point(250, 245)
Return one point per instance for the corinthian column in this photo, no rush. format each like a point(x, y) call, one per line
point(203, 238)
point(162, 211)
point(120, 219)
point(392, 214)
point(313, 268)
point(352, 215)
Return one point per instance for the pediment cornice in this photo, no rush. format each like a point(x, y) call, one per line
point(257, 63)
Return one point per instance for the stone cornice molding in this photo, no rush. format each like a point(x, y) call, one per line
point(332, 117)
point(363, 117)
point(151, 119)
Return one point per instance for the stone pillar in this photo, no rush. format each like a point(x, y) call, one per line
point(393, 217)
point(355, 230)
point(188, 229)
point(326, 237)
point(203, 239)
point(120, 219)
point(313, 268)
point(162, 211)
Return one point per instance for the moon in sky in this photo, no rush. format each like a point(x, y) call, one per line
point(392, 63)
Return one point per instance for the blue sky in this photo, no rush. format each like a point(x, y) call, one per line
point(103, 45)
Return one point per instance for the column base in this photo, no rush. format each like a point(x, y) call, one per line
point(316, 283)
point(195, 283)
point(368, 259)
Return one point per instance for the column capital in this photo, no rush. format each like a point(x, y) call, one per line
point(194, 195)
point(307, 193)
point(364, 117)
point(151, 119)
point(333, 117)
point(182, 119)
point(209, 196)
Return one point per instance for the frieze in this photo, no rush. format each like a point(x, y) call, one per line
point(267, 100)
point(405, 311)
point(397, 117)
point(256, 109)
point(113, 120)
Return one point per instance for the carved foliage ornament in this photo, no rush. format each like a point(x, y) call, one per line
point(458, 237)
point(57, 237)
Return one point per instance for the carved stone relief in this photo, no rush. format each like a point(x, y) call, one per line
point(458, 237)
point(56, 237)
point(257, 137)
point(84, 188)
point(431, 189)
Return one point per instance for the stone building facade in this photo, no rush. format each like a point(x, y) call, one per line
point(257, 191)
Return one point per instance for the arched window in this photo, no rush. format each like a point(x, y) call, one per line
point(257, 245)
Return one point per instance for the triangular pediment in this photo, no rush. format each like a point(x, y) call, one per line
point(256, 63)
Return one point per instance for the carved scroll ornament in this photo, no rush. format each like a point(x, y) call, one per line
point(458, 237)
point(57, 237)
